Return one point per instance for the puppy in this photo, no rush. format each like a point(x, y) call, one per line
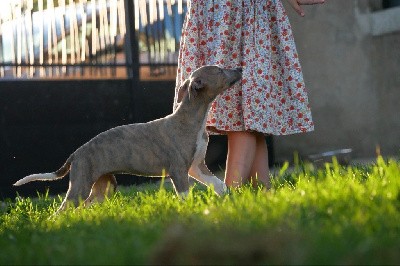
point(175, 145)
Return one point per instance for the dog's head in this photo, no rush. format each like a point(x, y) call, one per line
point(209, 81)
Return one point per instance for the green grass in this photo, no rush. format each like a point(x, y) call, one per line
point(336, 215)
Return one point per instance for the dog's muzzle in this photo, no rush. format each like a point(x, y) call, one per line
point(239, 70)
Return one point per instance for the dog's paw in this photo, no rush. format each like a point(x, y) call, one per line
point(183, 195)
point(221, 189)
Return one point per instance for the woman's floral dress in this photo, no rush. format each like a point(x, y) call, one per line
point(255, 35)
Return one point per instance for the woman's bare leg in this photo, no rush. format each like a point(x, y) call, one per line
point(247, 159)
point(241, 153)
point(260, 169)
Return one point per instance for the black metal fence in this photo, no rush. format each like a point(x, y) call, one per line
point(93, 65)
point(84, 71)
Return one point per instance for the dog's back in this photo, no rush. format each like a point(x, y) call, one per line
point(141, 149)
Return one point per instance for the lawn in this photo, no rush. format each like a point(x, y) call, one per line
point(334, 215)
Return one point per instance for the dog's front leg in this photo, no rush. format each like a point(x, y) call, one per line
point(180, 181)
point(200, 172)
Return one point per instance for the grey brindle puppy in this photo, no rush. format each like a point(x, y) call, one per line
point(174, 145)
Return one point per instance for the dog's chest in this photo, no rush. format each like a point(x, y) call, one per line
point(201, 141)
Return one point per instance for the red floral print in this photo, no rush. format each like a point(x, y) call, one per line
point(255, 35)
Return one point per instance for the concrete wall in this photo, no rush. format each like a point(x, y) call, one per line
point(351, 63)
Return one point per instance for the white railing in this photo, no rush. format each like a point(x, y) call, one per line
point(48, 38)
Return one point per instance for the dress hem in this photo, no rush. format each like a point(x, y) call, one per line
point(212, 130)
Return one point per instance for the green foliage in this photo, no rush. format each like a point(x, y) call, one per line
point(335, 215)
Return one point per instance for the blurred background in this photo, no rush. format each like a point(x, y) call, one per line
point(350, 54)
point(72, 69)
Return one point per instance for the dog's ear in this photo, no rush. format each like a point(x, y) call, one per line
point(183, 90)
point(195, 86)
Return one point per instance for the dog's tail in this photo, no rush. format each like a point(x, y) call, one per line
point(60, 173)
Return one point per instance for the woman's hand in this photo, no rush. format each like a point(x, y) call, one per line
point(296, 4)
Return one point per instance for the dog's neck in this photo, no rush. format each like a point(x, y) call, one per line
point(192, 111)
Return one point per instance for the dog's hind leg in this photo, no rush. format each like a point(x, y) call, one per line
point(80, 184)
point(104, 187)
